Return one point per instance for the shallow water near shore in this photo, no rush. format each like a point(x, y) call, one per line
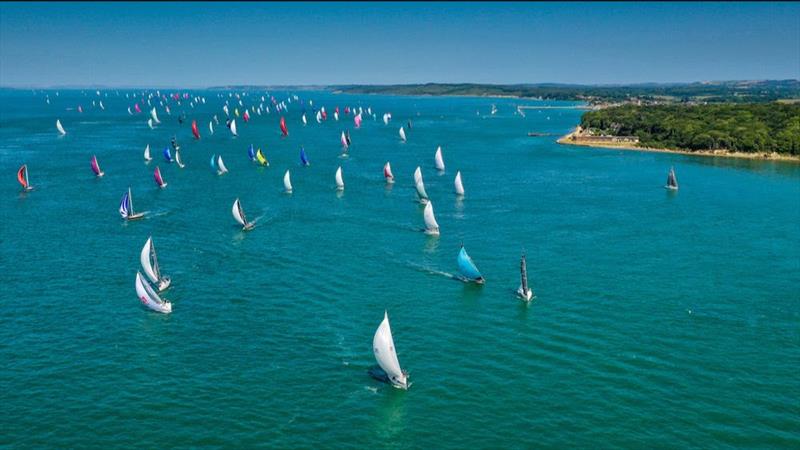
point(660, 317)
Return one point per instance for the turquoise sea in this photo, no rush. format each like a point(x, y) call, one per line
point(661, 319)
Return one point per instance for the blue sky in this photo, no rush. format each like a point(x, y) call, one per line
point(208, 44)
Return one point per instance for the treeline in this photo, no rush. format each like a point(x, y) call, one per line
point(762, 127)
point(725, 91)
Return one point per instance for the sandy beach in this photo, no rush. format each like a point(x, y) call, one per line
point(772, 156)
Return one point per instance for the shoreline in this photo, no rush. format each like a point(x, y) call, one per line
point(567, 140)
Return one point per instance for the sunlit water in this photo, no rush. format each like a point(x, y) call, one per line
point(660, 318)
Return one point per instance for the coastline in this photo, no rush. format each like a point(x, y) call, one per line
point(567, 140)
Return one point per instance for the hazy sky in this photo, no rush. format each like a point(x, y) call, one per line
point(206, 44)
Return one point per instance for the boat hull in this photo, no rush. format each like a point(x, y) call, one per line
point(527, 296)
point(135, 216)
point(163, 284)
point(671, 188)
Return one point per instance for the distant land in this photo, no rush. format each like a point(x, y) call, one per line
point(705, 92)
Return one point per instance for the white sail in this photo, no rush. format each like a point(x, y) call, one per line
point(178, 159)
point(287, 182)
point(149, 297)
point(211, 126)
point(221, 165)
point(237, 213)
point(431, 226)
point(386, 355)
point(304, 119)
point(154, 115)
point(147, 266)
point(387, 173)
point(59, 127)
point(147, 153)
point(150, 123)
point(402, 134)
point(438, 159)
point(420, 186)
point(458, 184)
point(233, 127)
point(339, 180)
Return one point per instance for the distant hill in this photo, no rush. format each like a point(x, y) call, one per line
point(700, 92)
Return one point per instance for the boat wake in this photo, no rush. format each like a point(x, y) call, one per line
point(432, 271)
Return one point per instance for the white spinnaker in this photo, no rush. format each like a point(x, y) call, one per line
point(233, 127)
point(147, 153)
point(438, 158)
point(236, 210)
point(221, 165)
point(459, 186)
point(339, 180)
point(59, 127)
point(431, 226)
point(402, 134)
point(385, 354)
point(154, 115)
point(211, 126)
point(287, 181)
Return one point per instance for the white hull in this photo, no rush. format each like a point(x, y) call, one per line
point(163, 284)
point(527, 296)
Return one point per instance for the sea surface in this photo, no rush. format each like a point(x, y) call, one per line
point(660, 320)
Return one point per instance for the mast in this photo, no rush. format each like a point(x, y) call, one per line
point(155, 260)
point(130, 202)
point(241, 211)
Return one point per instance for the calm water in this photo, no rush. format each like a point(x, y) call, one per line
point(661, 319)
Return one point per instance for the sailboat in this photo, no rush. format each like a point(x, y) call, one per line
point(284, 130)
point(211, 126)
point(386, 117)
point(178, 159)
point(149, 261)
point(60, 128)
point(167, 155)
point(303, 157)
point(303, 118)
point(386, 355)
point(221, 169)
point(420, 186)
point(357, 120)
point(195, 131)
point(494, 109)
point(459, 186)
point(96, 167)
point(287, 182)
point(150, 123)
point(467, 267)
point(251, 153)
point(431, 226)
point(261, 158)
point(159, 180)
point(238, 214)
point(246, 116)
point(438, 159)
point(126, 207)
point(343, 140)
point(672, 182)
point(524, 291)
point(149, 297)
point(339, 180)
point(147, 157)
point(22, 177)
point(387, 172)
point(154, 116)
point(233, 127)
point(402, 134)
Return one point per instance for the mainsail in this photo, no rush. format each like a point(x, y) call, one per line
point(195, 131)
point(149, 260)
point(221, 166)
point(147, 153)
point(385, 354)
point(672, 181)
point(287, 182)
point(420, 186)
point(233, 127)
point(438, 159)
point(59, 127)
point(339, 180)
point(431, 226)
point(402, 134)
point(459, 186)
point(238, 214)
